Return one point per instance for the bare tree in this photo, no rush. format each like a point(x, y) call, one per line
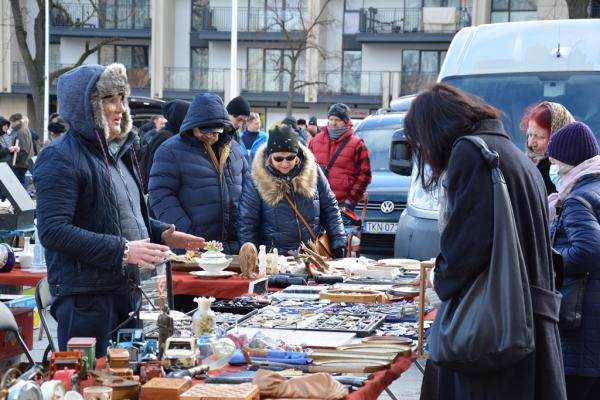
point(34, 65)
point(578, 8)
point(300, 33)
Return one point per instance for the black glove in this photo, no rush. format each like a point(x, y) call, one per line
point(339, 252)
point(348, 205)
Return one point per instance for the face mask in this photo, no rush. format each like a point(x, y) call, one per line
point(554, 177)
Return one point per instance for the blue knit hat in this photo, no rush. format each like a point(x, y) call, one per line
point(573, 144)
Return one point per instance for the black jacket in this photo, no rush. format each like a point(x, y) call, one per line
point(465, 248)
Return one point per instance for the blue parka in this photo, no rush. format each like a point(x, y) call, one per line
point(578, 241)
point(188, 189)
point(265, 216)
point(251, 152)
point(77, 212)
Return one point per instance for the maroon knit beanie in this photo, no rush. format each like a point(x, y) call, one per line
point(573, 144)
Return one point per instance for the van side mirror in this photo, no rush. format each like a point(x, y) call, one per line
point(400, 154)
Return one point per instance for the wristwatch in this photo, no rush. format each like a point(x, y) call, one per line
point(126, 254)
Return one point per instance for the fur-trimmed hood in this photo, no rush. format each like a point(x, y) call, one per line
point(80, 93)
point(271, 188)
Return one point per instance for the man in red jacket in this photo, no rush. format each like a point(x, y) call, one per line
point(343, 157)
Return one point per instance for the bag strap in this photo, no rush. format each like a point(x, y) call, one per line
point(336, 154)
point(299, 214)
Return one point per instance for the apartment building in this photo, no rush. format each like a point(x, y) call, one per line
point(370, 51)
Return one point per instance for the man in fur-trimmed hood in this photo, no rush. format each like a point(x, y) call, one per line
point(91, 215)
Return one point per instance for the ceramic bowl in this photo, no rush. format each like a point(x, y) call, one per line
point(214, 265)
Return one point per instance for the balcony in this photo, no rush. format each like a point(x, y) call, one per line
point(423, 24)
point(130, 18)
point(254, 23)
point(264, 81)
point(186, 79)
point(350, 83)
point(414, 82)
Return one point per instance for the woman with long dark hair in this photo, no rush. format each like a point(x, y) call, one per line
point(436, 119)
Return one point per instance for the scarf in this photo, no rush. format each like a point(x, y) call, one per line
point(559, 117)
point(567, 181)
point(336, 133)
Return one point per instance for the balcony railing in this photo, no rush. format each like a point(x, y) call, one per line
point(19, 73)
point(260, 81)
point(210, 79)
point(128, 14)
point(348, 82)
point(402, 20)
point(413, 82)
point(252, 19)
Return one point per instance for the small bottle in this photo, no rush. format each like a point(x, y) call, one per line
point(262, 260)
point(39, 261)
point(26, 256)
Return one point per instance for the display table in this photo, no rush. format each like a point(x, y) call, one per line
point(224, 288)
point(16, 277)
point(371, 390)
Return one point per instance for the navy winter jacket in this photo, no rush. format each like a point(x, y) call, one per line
point(578, 241)
point(249, 153)
point(187, 189)
point(265, 216)
point(77, 214)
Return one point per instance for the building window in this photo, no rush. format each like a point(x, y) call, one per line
point(135, 59)
point(268, 70)
point(351, 71)
point(420, 68)
point(199, 68)
point(513, 10)
point(54, 56)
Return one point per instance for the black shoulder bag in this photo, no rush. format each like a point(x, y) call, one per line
point(490, 326)
point(335, 155)
point(573, 288)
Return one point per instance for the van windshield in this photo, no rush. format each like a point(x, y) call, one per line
point(378, 143)
point(579, 92)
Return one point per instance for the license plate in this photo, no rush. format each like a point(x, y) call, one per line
point(380, 227)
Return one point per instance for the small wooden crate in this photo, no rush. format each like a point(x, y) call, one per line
point(165, 388)
point(210, 391)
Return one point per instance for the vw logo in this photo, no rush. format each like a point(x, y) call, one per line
point(387, 207)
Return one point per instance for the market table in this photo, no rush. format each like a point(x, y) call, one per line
point(16, 277)
point(224, 288)
point(371, 390)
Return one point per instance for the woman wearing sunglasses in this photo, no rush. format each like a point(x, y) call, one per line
point(284, 172)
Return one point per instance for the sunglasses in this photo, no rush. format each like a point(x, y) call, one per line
point(280, 159)
point(211, 133)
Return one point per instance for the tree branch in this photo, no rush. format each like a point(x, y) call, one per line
point(20, 31)
point(88, 51)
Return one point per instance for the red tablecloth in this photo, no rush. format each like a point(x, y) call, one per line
point(370, 391)
point(16, 277)
point(226, 288)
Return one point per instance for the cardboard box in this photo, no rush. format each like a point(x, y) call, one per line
point(9, 345)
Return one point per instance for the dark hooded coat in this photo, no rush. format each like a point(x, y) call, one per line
point(78, 217)
point(190, 189)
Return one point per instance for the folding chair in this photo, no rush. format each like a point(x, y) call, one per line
point(43, 299)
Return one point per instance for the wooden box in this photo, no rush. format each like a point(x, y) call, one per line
point(245, 391)
point(165, 388)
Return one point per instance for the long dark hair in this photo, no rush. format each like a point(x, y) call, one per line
point(436, 118)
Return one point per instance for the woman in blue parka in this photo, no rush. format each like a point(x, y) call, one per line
point(282, 165)
point(575, 170)
point(196, 177)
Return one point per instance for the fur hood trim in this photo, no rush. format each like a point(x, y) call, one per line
point(112, 82)
point(271, 188)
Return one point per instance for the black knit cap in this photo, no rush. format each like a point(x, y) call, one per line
point(238, 106)
point(282, 138)
point(339, 110)
point(312, 121)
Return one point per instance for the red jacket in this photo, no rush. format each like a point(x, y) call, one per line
point(351, 173)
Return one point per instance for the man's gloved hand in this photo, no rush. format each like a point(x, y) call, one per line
point(339, 252)
point(348, 205)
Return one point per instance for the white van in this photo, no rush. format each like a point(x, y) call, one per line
point(511, 66)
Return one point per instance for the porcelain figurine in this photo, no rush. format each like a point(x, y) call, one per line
point(248, 260)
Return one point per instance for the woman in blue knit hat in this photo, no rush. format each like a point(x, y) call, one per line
point(575, 169)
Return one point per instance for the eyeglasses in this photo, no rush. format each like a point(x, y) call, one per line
point(211, 133)
point(280, 159)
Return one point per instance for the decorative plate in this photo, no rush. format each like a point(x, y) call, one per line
point(213, 275)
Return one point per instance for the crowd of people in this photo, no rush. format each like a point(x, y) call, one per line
point(111, 200)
